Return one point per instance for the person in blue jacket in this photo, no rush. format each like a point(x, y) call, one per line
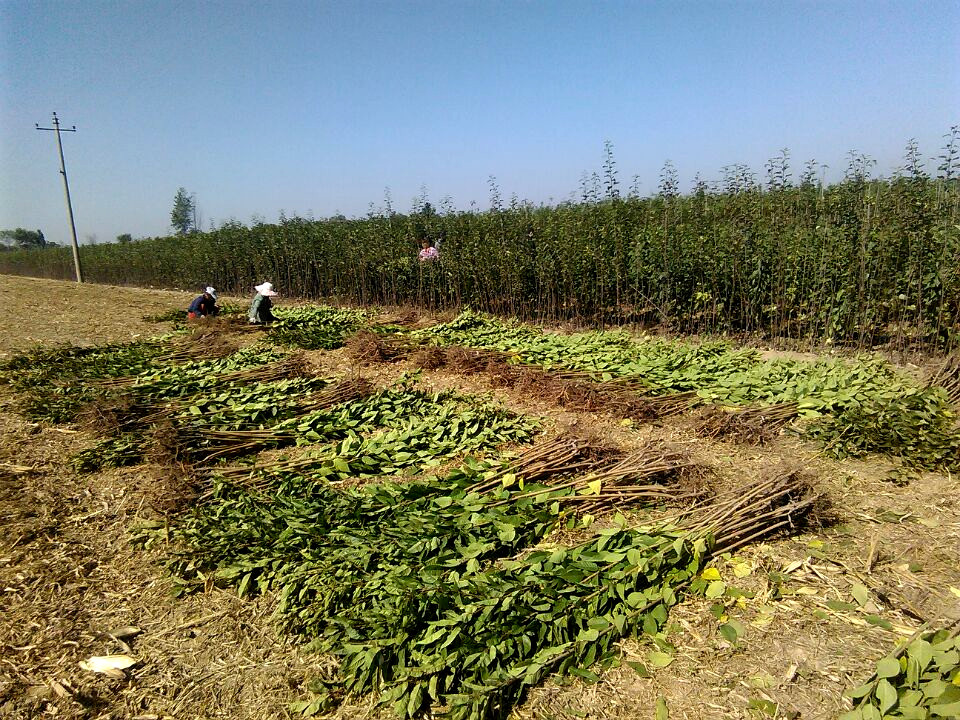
point(204, 305)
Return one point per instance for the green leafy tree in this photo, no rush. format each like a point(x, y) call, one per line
point(23, 239)
point(181, 217)
point(125, 238)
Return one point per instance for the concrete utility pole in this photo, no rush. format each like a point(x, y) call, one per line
point(66, 189)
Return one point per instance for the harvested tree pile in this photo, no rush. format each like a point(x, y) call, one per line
point(411, 585)
point(566, 388)
point(852, 408)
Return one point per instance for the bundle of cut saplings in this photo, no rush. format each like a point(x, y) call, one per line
point(430, 595)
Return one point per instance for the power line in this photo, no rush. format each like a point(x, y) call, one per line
point(66, 189)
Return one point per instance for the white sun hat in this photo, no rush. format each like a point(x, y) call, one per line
point(265, 289)
point(211, 291)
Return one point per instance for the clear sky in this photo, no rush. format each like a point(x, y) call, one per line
point(317, 107)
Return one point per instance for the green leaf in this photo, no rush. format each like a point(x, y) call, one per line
point(860, 594)
point(659, 659)
point(765, 706)
point(951, 694)
point(933, 689)
point(715, 589)
point(840, 606)
point(416, 699)
point(244, 584)
point(598, 623)
point(852, 715)
point(588, 635)
point(888, 667)
point(950, 710)
point(732, 631)
point(639, 668)
point(909, 699)
point(650, 626)
point(946, 659)
point(584, 674)
point(879, 622)
point(921, 651)
point(711, 573)
point(861, 691)
point(533, 673)
point(886, 695)
point(662, 712)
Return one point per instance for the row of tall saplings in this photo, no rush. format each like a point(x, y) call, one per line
point(859, 261)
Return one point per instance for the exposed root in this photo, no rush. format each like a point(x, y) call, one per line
point(250, 475)
point(406, 318)
point(367, 347)
point(500, 374)
point(172, 447)
point(205, 342)
point(232, 323)
point(463, 360)
point(168, 447)
point(948, 377)
point(108, 416)
point(653, 473)
point(429, 358)
point(117, 414)
point(215, 444)
point(753, 426)
point(169, 490)
point(572, 389)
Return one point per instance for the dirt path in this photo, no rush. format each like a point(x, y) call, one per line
point(71, 581)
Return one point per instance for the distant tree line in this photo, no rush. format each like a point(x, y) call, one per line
point(21, 239)
point(861, 261)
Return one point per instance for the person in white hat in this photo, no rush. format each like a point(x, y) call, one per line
point(260, 308)
point(204, 305)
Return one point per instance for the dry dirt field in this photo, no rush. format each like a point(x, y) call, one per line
point(72, 586)
point(49, 311)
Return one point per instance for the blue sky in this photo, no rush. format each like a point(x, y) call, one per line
point(317, 107)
